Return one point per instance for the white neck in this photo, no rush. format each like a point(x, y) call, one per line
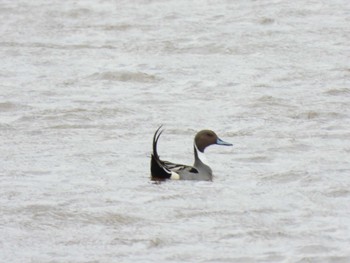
point(201, 156)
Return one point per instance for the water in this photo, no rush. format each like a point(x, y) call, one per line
point(84, 84)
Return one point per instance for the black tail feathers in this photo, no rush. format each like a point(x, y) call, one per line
point(158, 171)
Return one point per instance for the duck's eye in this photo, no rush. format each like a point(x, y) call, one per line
point(210, 134)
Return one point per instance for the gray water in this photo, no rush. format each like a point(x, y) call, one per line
point(84, 84)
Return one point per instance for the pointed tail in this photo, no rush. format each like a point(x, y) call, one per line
point(158, 170)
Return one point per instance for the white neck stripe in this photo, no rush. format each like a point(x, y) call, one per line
point(201, 155)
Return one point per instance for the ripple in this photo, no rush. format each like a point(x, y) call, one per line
point(286, 177)
point(312, 249)
point(125, 76)
point(338, 193)
point(11, 106)
point(338, 91)
point(266, 21)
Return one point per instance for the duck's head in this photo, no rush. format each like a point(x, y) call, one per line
point(205, 138)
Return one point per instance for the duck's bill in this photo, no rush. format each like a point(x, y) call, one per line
point(221, 142)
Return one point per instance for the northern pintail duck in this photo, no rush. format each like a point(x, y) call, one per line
point(161, 170)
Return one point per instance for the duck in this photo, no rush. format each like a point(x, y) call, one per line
point(162, 170)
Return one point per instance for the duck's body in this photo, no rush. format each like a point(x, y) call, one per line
point(161, 170)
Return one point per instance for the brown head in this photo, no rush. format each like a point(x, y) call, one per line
point(205, 138)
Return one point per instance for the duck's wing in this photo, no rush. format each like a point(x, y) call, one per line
point(185, 172)
point(161, 170)
point(179, 167)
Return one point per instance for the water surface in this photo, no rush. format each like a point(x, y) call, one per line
point(84, 84)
